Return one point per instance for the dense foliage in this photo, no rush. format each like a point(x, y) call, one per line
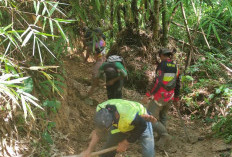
point(35, 35)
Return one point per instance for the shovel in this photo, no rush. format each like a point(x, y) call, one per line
point(96, 153)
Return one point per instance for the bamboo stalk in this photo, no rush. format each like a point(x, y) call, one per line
point(189, 37)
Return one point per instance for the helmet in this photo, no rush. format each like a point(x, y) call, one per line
point(114, 58)
point(165, 51)
point(103, 118)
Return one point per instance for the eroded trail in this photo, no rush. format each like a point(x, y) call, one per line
point(74, 121)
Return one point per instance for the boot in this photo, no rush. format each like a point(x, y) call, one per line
point(163, 142)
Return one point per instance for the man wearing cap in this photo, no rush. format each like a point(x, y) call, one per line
point(126, 122)
point(163, 93)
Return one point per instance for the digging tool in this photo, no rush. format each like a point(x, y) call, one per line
point(96, 153)
point(183, 124)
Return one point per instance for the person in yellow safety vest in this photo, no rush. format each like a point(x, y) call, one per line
point(126, 122)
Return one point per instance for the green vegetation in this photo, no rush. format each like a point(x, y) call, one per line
point(36, 35)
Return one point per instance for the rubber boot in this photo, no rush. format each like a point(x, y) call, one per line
point(164, 141)
point(163, 136)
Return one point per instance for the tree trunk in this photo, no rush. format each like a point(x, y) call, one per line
point(124, 9)
point(156, 19)
point(135, 13)
point(112, 18)
point(189, 38)
point(173, 14)
point(145, 10)
point(119, 19)
point(164, 23)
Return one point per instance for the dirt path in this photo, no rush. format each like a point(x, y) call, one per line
point(74, 121)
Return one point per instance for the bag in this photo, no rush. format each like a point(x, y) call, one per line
point(114, 58)
point(110, 70)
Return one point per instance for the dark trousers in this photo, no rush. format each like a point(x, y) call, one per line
point(115, 91)
point(146, 140)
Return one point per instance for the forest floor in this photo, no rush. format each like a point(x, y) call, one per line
point(74, 121)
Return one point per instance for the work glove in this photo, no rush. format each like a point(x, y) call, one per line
point(122, 146)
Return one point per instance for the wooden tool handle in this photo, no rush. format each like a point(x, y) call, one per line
point(96, 153)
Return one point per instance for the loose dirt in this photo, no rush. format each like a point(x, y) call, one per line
point(74, 121)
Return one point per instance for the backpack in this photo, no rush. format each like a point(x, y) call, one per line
point(110, 70)
point(114, 58)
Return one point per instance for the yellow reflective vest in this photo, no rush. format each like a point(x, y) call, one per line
point(127, 111)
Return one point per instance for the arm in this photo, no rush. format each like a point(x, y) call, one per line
point(95, 136)
point(159, 70)
point(177, 92)
point(95, 82)
point(140, 126)
point(177, 88)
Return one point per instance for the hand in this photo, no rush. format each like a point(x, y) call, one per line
point(86, 153)
point(145, 100)
point(122, 146)
point(110, 83)
point(149, 118)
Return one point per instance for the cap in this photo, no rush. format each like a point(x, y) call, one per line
point(165, 51)
point(103, 118)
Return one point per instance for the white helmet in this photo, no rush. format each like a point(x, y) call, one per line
point(114, 58)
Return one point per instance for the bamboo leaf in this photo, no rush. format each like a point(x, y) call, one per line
point(229, 7)
point(64, 20)
point(57, 9)
point(53, 8)
point(216, 34)
point(61, 31)
point(98, 4)
point(37, 8)
point(46, 34)
point(209, 29)
point(40, 56)
point(46, 48)
point(16, 35)
point(30, 111)
point(27, 38)
point(51, 27)
point(33, 53)
point(24, 106)
point(37, 19)
point(33, 102)
point(220, 25)
point(7, 49)
point(5, 28)
point(44, 24)
point(25, 32)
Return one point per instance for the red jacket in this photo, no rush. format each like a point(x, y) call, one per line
point(167, 82)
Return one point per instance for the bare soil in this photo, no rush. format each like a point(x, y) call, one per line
point(74, 121)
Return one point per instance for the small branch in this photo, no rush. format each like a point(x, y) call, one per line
point(180, 25)
point(189, 37)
